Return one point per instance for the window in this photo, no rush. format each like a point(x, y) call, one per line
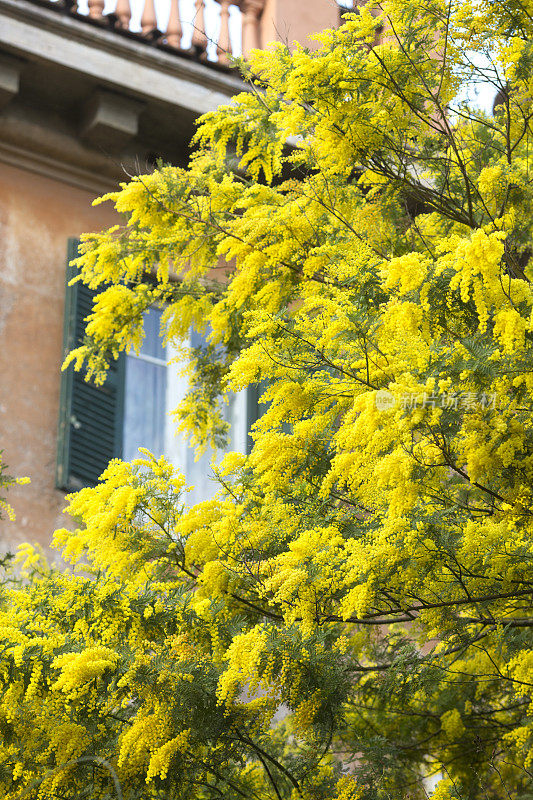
point(145, 394)
point(152, 391)
point(131, 409)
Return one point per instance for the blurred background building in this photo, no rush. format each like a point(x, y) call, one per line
point(91, 93)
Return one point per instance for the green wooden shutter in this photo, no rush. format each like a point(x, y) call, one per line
point(90, 417)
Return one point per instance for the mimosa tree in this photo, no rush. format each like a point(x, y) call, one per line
point(353, 612)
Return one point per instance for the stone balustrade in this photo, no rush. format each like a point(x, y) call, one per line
point(170, 32)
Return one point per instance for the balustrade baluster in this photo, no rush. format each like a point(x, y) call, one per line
point(199, 39)
point(251, 11)
point(148, 19)
point(250, 19)
point(174, 29)
point(224, 40)
point(96, 9)
point(123, 14)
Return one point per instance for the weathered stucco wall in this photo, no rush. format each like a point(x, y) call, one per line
point(37, 215)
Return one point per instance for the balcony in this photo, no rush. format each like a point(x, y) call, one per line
point(86, 98)
point(207, 30)
point(90, 89)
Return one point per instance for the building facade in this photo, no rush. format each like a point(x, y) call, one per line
point(86, 102)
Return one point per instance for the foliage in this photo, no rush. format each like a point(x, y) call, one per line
point(353, 611)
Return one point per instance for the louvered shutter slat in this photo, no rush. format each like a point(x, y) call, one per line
point(91, 417)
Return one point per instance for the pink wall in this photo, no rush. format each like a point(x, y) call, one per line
point(37, 215)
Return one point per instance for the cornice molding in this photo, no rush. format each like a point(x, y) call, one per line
point(55, 169)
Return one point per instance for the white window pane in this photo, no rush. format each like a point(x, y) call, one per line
point(144, 407)
point(152, 391)
point(153, 344)
point(235, 413)
point(199, 473)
